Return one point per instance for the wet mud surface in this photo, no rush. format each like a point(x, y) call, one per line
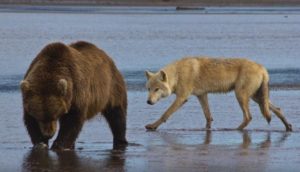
point(179, 151)
point(180, 144)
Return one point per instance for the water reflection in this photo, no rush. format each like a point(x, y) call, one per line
point(46, 160)
point(219, 137)
point(244, 151)
point(38, 160)
point(266, 143)
point(207, 138)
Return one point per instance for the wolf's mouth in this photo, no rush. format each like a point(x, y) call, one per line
point(150, 102)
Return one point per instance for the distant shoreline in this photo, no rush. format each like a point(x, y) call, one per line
point(109, 9)
point(155, 3)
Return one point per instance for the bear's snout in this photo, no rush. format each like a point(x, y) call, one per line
point(48, 129)
point(47, 133)
point(48, 136)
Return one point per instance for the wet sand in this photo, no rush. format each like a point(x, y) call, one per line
point(181, 144)
point(178, 151)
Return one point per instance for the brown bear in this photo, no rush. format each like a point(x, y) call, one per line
point(70, 84)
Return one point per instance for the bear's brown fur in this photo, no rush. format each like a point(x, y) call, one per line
point(70, 84)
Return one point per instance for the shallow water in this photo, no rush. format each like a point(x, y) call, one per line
point(149, 41)
point(139, 42)
point(180, 144)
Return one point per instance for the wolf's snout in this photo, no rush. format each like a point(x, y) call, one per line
point(149, 102)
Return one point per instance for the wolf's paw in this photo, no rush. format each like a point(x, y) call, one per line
point(269, 119)
point(289, 128)
point(208, 126)
point(150, 127)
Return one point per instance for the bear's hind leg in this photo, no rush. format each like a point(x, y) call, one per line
point(116, 118)
point(34, 131)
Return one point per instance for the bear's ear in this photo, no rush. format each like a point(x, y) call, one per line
point(148, 74)
point(163, 76)
point(63, 86)
point(24, 85)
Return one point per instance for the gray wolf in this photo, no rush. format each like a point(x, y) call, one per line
point(200, 76)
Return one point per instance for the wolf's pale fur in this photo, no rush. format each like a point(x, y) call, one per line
point(200, 76)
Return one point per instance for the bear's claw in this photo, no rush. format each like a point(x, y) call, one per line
point(40, 146)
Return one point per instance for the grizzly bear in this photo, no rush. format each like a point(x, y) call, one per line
point(70, 84)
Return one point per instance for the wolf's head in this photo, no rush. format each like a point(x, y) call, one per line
point(157, 85)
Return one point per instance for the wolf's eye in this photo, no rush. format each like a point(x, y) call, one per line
point(156, 89)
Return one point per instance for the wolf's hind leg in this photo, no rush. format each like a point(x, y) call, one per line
point(205, 107)
point(175, 106)
point(263, 108)
point(244, 104)
point(261, 97)
point(279, 114)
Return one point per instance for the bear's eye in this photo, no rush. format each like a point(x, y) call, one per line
point(156, 89)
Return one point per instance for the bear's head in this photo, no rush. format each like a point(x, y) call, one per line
point(46, 102)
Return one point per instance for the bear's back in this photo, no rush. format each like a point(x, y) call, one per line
point(107, 82)
point(91, 52)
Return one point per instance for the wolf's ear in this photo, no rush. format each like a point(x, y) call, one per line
point(62, 86)
point(24, 85)
point(148, 74)
point(163, 76)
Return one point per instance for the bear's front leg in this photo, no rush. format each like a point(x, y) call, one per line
point(70, 126)
point(34, 131)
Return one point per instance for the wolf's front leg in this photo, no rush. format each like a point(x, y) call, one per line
point(175, 106)
point(205, 107)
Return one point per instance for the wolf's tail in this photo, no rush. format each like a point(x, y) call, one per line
point(263, 97)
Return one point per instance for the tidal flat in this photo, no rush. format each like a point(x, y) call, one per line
point(147, 41)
